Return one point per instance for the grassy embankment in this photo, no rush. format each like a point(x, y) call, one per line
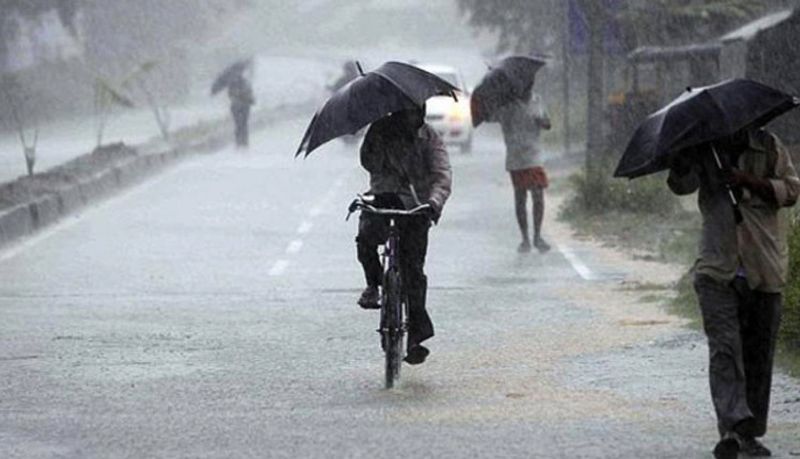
point(643, 216)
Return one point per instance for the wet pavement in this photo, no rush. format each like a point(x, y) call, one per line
point(211, 313)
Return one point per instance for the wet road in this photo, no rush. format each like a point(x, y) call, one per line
point(211, 313)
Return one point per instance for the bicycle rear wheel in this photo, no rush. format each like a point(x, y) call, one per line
point(392, 326)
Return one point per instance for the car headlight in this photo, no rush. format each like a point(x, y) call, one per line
point(459, 111)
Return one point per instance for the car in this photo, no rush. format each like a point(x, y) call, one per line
point(449, 118)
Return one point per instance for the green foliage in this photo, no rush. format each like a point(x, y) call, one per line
point(107, 95)
point(597, 192)
point(790, 327)
point(521, 24)
point(685, 302)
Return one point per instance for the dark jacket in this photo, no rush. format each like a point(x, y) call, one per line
point(241, 95)
point(394, 161)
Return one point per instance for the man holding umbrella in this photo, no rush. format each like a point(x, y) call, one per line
point(710, 138)
point(240, 93)
point(522, 121)
point(740, 275)
point(408, 167)
point(506, 96)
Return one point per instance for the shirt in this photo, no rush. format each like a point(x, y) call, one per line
point(520, 122)
point(757, 244)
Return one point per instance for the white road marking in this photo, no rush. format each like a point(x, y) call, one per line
point(305, 227)
point(279, 268)
point(576, 263)
point(294, 246)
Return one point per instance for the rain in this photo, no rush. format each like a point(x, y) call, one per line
point(451, 228)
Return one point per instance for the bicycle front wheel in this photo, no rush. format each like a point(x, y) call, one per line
point(392, 327)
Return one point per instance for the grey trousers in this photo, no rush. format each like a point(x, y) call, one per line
point(741, 326)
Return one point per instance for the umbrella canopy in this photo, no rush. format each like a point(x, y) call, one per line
point(504, 84)
point(230, 73)
point(392, 87)
point(700, 116)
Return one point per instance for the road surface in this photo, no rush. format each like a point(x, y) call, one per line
point(210, 312)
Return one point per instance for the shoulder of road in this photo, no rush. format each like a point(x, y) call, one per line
point(29, 204)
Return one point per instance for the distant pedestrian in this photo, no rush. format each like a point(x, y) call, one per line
point(522, 121)
point(240, 92)
point(740, 275)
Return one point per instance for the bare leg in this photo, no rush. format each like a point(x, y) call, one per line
point(538, 217)
point(520, 206)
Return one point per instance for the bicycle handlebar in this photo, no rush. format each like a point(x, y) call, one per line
point(359, 204)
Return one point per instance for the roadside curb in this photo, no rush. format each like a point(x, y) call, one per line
point(24, 219)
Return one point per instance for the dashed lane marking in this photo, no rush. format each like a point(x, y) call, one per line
point(294, 246)
point(279, 268)
point(305, 227)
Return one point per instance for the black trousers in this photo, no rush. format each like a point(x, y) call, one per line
point(241, 120)
point(742, 327)
point(373, 231)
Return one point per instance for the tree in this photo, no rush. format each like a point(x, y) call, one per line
point(107, 96)
point(66, 10)
point(522, 24)
point(596, 18)
point(141, 79)
point(656, 22)
point(19, 102)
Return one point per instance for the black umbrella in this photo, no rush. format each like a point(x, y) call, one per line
point(392, 87)
point(504, 84)
point(700, 116)
point(231, 73)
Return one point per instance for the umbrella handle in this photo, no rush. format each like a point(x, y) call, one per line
point(360, 70)
point(735, 202)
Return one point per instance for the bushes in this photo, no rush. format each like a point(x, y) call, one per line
point(598, 191)
point(790, 326)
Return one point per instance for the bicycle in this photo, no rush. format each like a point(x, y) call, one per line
point(393, 325)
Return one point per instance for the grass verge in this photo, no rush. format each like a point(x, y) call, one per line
point(643, 217)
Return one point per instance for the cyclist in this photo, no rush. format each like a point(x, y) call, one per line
point(408, 166)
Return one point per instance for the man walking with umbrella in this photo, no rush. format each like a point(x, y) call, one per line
point(711, 141)
point(240, 93)
point(740, 275)
point(522, 122)
point(506, 96)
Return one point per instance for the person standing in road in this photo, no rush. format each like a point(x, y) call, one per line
point(240, 93)
point(522, 122)
point(740, 275)
point(408, 165)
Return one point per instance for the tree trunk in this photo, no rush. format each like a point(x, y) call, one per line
point(595, 16)
point(565, 77)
